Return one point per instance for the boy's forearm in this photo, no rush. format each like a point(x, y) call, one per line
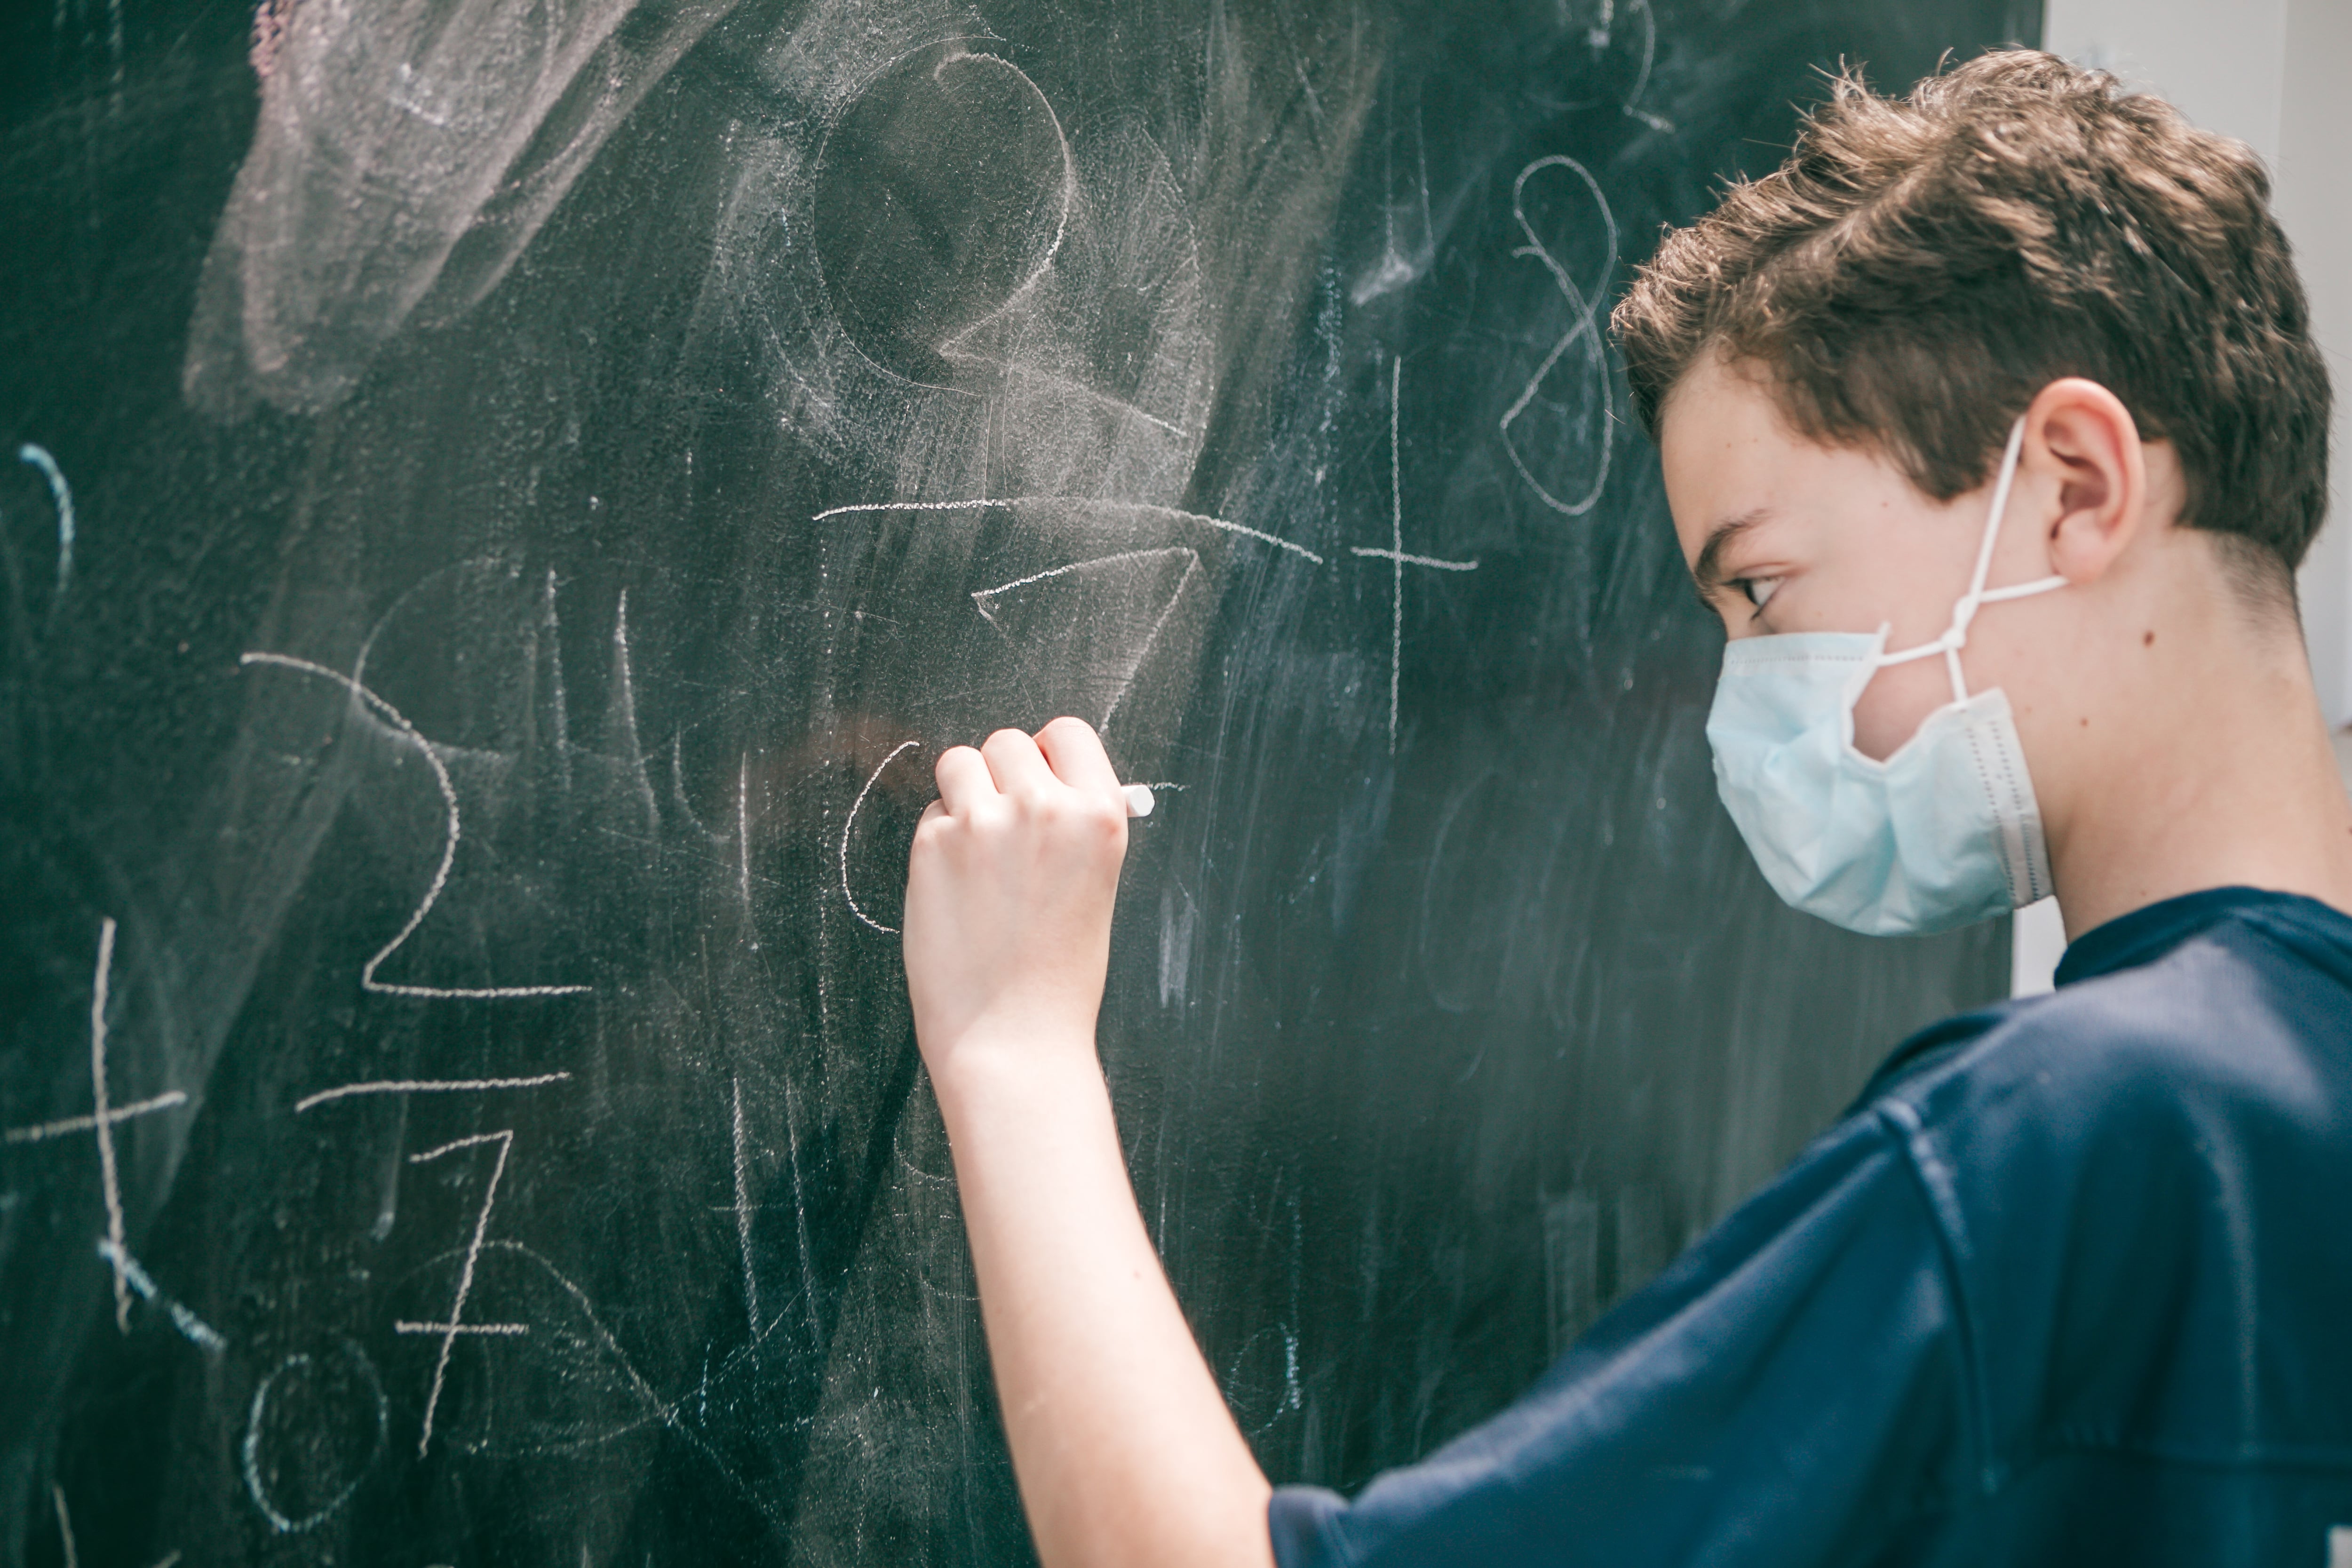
point(1121, 1441)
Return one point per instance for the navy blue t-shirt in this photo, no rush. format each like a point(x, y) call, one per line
point(2071, 1284)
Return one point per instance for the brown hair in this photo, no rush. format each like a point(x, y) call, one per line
point(1919, 267)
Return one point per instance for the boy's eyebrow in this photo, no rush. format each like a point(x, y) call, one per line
point(1706, 572)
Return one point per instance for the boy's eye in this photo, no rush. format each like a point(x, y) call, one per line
point(1758, 589)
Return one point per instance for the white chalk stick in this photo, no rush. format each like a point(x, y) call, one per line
point(1138, 799)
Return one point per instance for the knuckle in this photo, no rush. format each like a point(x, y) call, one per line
point(1098, 818)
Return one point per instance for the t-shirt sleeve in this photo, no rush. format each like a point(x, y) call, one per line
point(1789, 1392)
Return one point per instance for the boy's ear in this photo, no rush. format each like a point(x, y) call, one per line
point(2080, 435)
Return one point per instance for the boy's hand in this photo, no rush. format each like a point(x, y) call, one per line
point(1009, 895)
point(1120, 1439)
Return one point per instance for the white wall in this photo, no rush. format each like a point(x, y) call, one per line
point(2315, 202)
point(2272, 73)
point(2220, 63)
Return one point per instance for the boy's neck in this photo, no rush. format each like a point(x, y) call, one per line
point(2216, 770)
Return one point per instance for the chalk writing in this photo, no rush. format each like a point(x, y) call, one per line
point(1396, 554)
point(621, 716)
point(1089, 502)
point(423, 1086)
point(851, 821)
point(995, 195)
point(199, 1333)
point(1239, 1385)
point(504, 1139)
point(1069, 196)
point(355, 1361)
point(116, 1117)
point(1077, 639)
point(1587, 330)
point(408, 732)
point(1600, 35)
point(102, 1125)
point(1632, 106)
point(61, 496)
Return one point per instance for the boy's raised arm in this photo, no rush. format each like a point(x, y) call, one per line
point(1121, 1442)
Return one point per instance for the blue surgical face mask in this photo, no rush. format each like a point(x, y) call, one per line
point(1943, 833)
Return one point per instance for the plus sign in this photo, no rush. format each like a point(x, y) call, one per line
point(1395, 553)
point(101, 1124)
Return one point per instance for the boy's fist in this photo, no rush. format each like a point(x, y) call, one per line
point(1009, 895)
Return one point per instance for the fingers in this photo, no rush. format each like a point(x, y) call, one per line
point(1018, 767)
point(964, 780)
point(1065, 753)
point(1075, 752)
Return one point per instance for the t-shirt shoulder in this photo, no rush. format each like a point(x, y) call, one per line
point(2239, 1019)
point(2110, 1165)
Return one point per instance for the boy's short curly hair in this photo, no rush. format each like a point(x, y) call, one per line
point(1920, 267)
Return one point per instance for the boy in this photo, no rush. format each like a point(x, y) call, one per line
point(1991, 428)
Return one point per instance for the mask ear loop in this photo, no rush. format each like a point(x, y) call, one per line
point(1964, 610)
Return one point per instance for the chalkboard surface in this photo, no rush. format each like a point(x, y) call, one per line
point(501, 502)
